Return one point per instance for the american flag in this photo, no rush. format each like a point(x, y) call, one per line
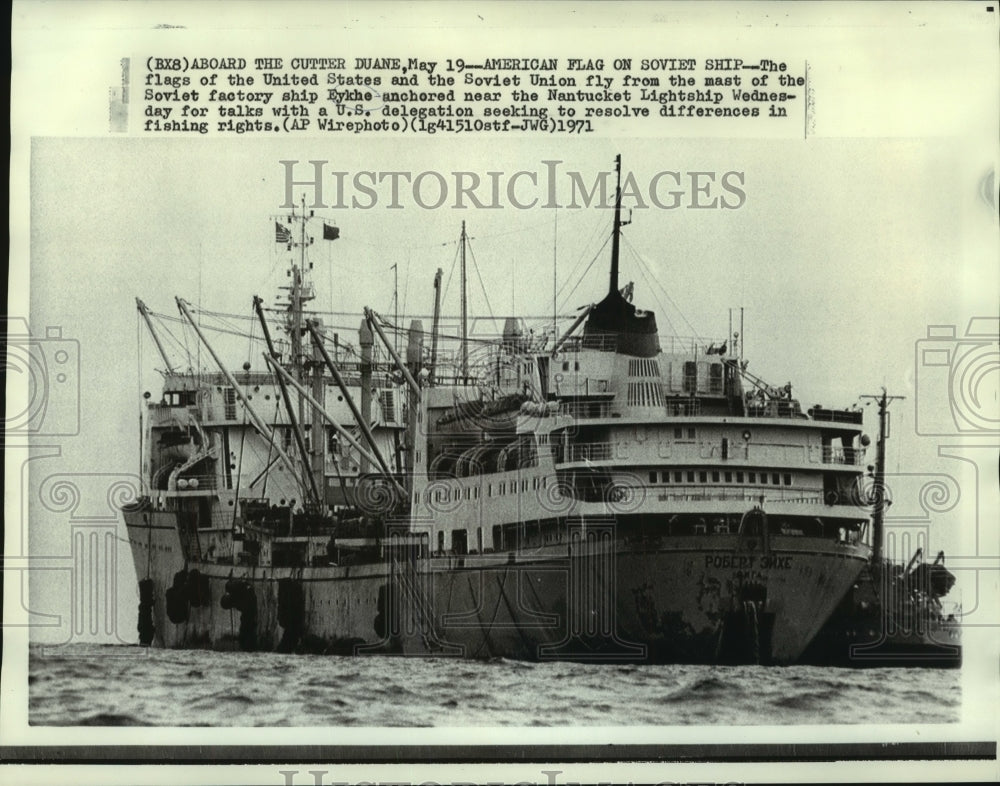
point(282, 234)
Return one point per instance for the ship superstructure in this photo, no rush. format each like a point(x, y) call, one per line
point(610, 495)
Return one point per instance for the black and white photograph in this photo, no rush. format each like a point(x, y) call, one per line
point(415, 393)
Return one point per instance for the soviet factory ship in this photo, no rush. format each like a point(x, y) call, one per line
point(605, 495)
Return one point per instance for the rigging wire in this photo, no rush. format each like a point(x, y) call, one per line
point(223, 314)
point(451, 270)
point(226, 323)
point(176, 342)
point(213, 328)
point(597, 231)
point(406, 282)
point(138, 379)
point(663, 312)
point(389, 327)
point(396, 246)
point(694, 331)
point(585, 272)
point(346, 347)
point(475, 266)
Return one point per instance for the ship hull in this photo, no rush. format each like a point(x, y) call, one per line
point(684, 602)
point(688, 599)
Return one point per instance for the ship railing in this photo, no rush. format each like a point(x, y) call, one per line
point(588, 451)
point(775, 409)
point(790, 453)
point(749, 495)
point(842, 455)
point(454, 380)
point(350, 368)
point(601, 342)
point(681, 407)
point(766, 453)
point(582, 410)
point(669, 345)
point(687, 345)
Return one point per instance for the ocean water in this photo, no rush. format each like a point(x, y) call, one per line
point(104, 685)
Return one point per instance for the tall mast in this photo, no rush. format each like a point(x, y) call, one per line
point(395, 301)
point(300, 293)
point(742, 336)
point(555, 276)
point(295, 304)
point(317, 433)
point(465, 315)
point(298, 360)
point(616, 231)
point(367, 341)
point(435, 325)
point(879, 490)
point(730, 337)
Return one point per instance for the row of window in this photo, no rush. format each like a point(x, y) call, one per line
point(650, 368)
point(446, 495)
point(717, 476)
point(504, 537)
point(511, 487)
point(472, 492)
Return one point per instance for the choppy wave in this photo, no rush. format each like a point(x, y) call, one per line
point(92, 685)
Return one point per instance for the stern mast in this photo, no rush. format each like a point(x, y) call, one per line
point(878, 493)
point(301, 367)
point(617, 229)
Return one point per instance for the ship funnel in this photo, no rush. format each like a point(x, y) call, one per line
point(614, 323)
